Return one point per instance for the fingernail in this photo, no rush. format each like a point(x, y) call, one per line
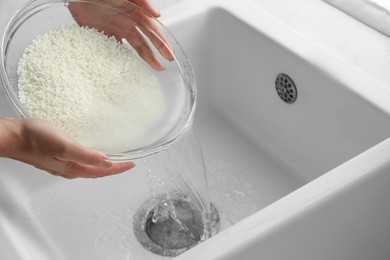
point(168, 54)
point(158, 66)
point(105, 164)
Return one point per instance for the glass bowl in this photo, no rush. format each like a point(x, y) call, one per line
point(177, 83)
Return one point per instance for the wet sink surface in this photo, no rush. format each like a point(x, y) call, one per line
point(263, 157)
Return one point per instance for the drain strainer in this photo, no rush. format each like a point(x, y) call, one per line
point(171, 226)
point(286, 88)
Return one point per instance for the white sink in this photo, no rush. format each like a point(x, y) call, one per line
point(309, 179)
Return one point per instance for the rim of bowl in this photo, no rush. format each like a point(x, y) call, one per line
point(180, 57)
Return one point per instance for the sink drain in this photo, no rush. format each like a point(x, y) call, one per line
point(286, 89)
point(171, 226)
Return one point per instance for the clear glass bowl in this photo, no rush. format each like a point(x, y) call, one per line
point(177, 82)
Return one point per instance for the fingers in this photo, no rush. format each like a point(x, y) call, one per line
point(72, 170)
point(138, 42)
point(76, 161)
point(147, 5)
point(79, 154)
point(150, 28)
point(140, 25)
point(144, 4)
point(80, 162)
point(159, 41)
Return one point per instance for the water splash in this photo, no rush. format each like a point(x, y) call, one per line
point(103, 230)
point(234, 197)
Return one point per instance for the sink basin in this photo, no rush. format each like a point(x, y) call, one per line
point(302, 180)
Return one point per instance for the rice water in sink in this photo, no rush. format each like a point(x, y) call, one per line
point(257, 148)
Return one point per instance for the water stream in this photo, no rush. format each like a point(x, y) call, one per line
point(180, 216)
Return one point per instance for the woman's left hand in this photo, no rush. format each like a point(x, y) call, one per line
point(133, 22)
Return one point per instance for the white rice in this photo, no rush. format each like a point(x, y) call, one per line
point(91, 86)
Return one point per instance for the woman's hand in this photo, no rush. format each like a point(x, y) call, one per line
point(132, 24)
point(48, 148)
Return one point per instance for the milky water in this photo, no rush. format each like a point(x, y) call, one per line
point(99, 224)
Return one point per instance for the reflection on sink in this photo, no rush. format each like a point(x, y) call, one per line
point(313, 171)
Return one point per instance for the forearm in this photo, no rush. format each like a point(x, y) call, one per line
point(10, 136)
